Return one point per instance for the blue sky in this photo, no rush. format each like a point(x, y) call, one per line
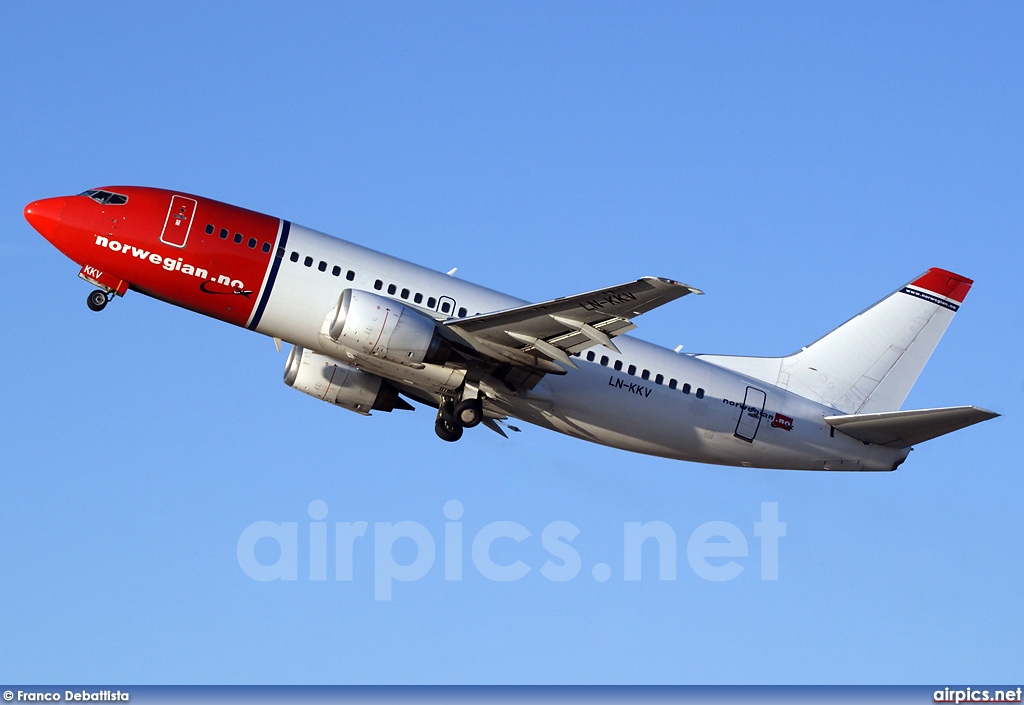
point(795, 161)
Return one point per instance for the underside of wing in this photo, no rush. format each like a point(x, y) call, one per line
point(538, 335)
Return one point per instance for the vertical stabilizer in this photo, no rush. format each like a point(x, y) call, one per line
point(869, 363)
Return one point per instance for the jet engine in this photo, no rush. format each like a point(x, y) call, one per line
point(335, 382)
point(382, 327)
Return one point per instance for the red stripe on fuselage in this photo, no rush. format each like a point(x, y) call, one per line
point(209, 274)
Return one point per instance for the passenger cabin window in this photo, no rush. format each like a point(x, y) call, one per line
point(252, 243)
point(405, 293)
point(686, 388)
point(238, 238)
point(431, 302)
point(446, 307)
point(700, 393)
point(266, 247)
point(618, 365)
point(672, 384)
point(294, 257)
point(646, 374)
point(590, 356)
point(336, 271)
point(308, 261)
point(604, 360)
point(462, 312)
point(210, 229)
point(105, 197)
point(659, 379)
point(418, 298)
point(392, 288)
point(351, 275)
point(631, 370)
point(378, 285)
point(223, 233)
point(322, 266)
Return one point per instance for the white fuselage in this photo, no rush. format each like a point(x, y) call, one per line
point(724, 417)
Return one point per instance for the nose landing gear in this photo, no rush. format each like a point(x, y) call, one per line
point(98, 299)
point(109, 287)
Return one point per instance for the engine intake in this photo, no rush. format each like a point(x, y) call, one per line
point(340, 384)
point(382, 327)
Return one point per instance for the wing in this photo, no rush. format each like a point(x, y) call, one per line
point(537, 335)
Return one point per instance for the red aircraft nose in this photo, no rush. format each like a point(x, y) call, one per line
point(44, 215)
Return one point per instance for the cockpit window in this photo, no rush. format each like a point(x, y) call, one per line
point(105, 197)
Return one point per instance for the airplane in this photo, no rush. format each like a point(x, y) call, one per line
point(371, 332)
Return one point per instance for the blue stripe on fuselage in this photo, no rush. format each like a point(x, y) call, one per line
point(276, 265)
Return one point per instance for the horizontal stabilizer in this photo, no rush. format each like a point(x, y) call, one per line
point(902, 429)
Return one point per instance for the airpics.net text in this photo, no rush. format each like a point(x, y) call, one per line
point(714, 550)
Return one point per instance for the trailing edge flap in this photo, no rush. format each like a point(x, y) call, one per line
point(902, 429)
point(561, 327)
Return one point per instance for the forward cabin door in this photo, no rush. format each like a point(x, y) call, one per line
point(750, 414)
point(179, 221)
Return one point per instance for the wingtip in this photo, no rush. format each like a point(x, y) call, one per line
point(672, 282)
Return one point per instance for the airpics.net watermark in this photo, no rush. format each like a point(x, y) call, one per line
point(708, 546)
point(713, 549)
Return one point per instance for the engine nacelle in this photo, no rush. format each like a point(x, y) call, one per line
point(382, 327)
point(335, 382)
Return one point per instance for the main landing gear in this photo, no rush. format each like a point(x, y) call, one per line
point(98, 299)
point(453, 418)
